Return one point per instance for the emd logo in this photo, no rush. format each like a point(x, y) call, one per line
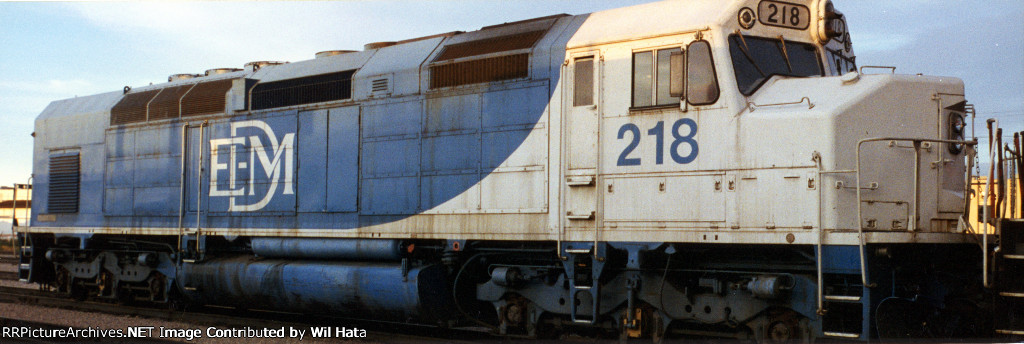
point(276, 164)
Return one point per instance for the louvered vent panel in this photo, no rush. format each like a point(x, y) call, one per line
point(490, 45)
point(480, 71)
point(166, 104)
point(379, 85)
point(206, 98)
point(306, 90)
point(131, 108)
point(64, 184)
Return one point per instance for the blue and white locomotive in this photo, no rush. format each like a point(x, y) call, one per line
point(675, 168)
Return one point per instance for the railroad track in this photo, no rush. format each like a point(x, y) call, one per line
point(228, 318)
point(8, 259)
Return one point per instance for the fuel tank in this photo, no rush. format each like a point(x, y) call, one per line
point(384, 291)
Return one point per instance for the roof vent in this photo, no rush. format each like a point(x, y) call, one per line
point(333, 53)
point(256, 65)
point(183, 76)
point(216, 71)
point(377, 45)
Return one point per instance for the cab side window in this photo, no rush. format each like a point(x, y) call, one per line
point(583, 82)
point(701, 84)
point(840, 64)
point(651, 78)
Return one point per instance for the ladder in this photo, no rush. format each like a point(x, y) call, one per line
point(25, 263)
point(1008, 288)
point(583, 264)
point(847, 301)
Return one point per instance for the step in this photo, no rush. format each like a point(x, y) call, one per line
point(842, 298)
point(841, 334)
point(1011, 294)
point(1011, 332)
point(1013, 256)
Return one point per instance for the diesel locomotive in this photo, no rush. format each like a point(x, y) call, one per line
point(679, 168)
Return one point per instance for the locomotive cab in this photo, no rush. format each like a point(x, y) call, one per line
point(756, 132)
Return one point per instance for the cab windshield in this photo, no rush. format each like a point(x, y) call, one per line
point(757, 59)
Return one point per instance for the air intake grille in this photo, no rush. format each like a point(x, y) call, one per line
point(206, 98)
point(490, 45)
point(64, 184)
point(132, 107)
point(307, 90)
point(479, 71)
point(166, 104)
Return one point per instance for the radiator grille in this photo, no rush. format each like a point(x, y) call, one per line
point(206, 98)
point(64, 184)
point(167, 104)
point(306, 90)
point(479, 71)
point(132, 107)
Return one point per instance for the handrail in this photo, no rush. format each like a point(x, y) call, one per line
point(599, 206)
point(751, 106)
point(816, 157)
point(893, 69)
point(181, 185)
point(561, 170)
point(917, 183)
point(199, 184)
point(14, 206)
point(984, 224)
point(28, 210)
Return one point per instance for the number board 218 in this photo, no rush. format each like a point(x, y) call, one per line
point(784, 14)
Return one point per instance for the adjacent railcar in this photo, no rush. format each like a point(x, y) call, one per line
point(687, 167)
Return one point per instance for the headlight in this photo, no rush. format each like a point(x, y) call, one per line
point(956, 132)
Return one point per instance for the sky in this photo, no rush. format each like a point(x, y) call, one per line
point(51, 51)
